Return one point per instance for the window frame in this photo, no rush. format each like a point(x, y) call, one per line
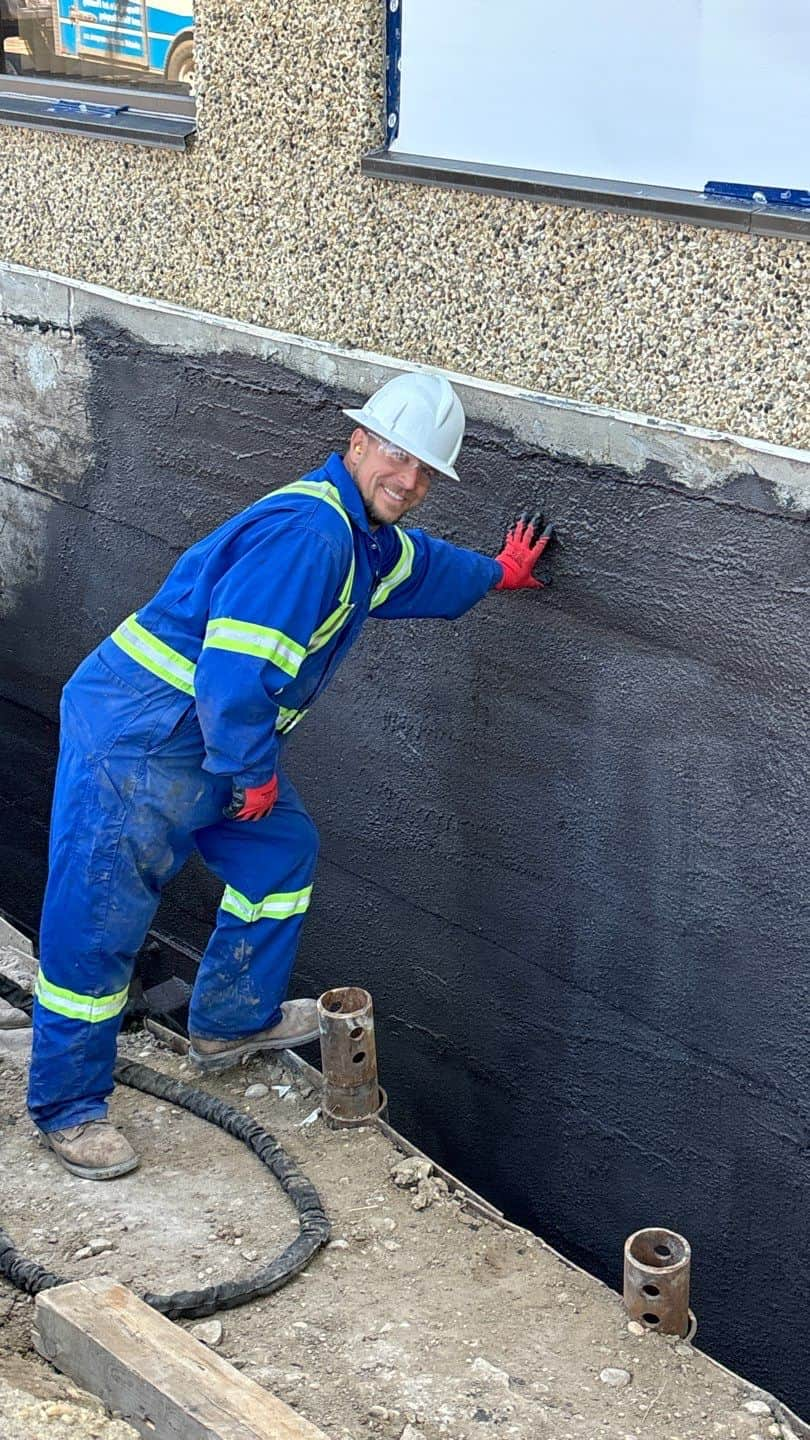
point(546, 187)
point(159, 118)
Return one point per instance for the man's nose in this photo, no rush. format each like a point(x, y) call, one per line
point(408, 473)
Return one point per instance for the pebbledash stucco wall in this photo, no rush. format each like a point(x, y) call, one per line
point(267, 219)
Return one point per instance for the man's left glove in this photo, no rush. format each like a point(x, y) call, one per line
point(524, 544)
point(253, 803)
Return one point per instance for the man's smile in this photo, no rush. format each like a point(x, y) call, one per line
point(396, 495)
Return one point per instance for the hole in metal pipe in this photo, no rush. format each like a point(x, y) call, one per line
point(359, 1057)
point(356, 1033)
point(650, 1290)
point(650, 1319)
point(664, 1251)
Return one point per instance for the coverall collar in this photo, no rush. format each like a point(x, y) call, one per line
point(350, 496)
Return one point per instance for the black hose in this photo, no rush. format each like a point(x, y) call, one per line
point(314, 1226)
point(19, 998)
point(191, 1304)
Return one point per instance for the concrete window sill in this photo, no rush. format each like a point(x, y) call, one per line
point(148, 118)
point(547, 188)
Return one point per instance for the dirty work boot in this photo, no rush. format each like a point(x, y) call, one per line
point(93, 1151)
point(297, 1026)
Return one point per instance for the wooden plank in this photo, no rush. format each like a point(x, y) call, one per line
point(156, 1375)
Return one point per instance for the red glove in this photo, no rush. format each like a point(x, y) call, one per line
point(254, 803)
point(521, 551)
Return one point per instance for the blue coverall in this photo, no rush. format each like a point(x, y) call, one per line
point(193, 693)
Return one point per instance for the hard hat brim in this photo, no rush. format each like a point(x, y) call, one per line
point(385, 433)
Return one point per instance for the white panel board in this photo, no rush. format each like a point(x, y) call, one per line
point(673, 94)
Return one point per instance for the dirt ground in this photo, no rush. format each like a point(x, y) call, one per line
point(413, 1324)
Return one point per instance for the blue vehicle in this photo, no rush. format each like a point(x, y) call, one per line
point(128, 41)
point(152, 38)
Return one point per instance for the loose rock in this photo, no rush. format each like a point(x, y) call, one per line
point(411, 1171)
point(208, 1331)
point(492, 1372)
point(756, 1407)
point(427, 1191)
point(381, 1224)
point(612, 1375)
point(99, 1246)
point(93, 1247)
point(257, 1092)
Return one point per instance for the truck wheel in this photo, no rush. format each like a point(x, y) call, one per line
point(180, 66)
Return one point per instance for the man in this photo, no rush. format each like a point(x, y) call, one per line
point(171, 737)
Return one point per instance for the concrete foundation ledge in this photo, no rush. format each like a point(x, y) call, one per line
point(651, 450)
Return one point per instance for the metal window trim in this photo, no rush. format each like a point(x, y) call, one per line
point(587, 192)
point(151, 102)
point(152, 118)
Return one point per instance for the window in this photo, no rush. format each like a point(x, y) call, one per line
point(702, 105)
point(118, 67)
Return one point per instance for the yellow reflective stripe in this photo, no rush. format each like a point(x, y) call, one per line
point(243, 636)
point(346, 592)
point(287, 719)
point(90, 1008)
point(324, 490)
point(319, 490)
point(400, 572)
point(330, 626)
point(160, 659)
point(279, 906)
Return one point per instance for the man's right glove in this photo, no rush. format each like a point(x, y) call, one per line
point(522, 548)
point(253, 803)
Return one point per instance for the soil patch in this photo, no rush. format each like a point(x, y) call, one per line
point(421, 1319)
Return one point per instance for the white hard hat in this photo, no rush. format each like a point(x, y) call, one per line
point(421, 414)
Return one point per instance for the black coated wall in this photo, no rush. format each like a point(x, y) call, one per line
point(564, 838)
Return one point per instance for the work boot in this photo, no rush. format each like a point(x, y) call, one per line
point(297, 1026)
point(93, 1151)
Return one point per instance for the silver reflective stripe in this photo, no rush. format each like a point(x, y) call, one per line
point(400, 572)
point(279, 906)
point(246, 638)
point(154, 655)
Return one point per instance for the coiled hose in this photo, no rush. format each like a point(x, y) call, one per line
point(192, 1304)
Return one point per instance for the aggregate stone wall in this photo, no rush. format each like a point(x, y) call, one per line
point(564, 838)
point(268, 219)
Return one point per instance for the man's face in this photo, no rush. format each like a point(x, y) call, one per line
point(390, 481)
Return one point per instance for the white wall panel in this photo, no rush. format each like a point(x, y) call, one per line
point(665, 94)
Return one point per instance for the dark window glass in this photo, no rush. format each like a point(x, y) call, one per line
point(118, 42)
